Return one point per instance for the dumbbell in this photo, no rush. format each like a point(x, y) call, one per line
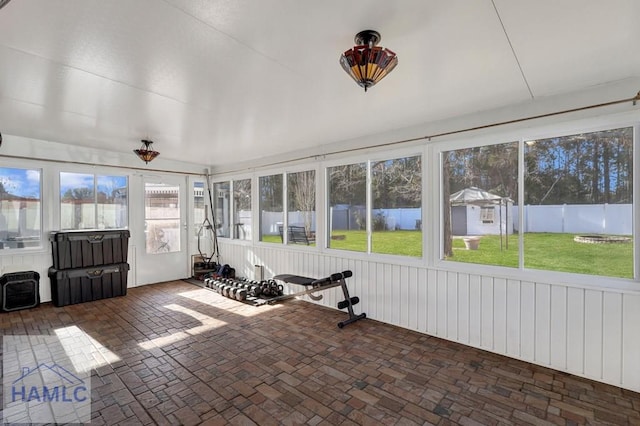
point(215, 284)
point(255, 291)
point(265, 289)
point(230, 288)
point(241, 295)
point(274, 289)
point(224, 290)
point(232, 292)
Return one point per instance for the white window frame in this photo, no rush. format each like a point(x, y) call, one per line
point(95, 174)
point(523, 134)
point(421, 151)
point(44, 186)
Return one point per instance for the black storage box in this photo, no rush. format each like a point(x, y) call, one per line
point(19, 290)
point(73, 286)
point(82, 249)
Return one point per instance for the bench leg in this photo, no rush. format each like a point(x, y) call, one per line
point(352, 316)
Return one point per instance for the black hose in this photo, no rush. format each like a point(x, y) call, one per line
point(216, 249)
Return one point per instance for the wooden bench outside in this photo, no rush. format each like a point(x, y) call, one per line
point(297, 235)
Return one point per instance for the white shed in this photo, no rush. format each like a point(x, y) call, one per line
point(475, 211)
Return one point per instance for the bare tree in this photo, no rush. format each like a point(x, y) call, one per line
point(446, 206)
point(302, 195)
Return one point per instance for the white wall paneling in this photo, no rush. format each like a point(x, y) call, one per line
point(432, 301)
point(513, 318)
point(500, 315)
point(593, 322)
point(542, 323)
point(527, 320)
point(452, 305)
point(575, 330)
point(475, 311)
point(486, 312)
point(558, 332)
point(612, 327)
point(442, 305)
point(630, 341)
point(463, 308)
point(591, 333)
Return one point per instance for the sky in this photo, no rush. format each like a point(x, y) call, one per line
point(21, 182)
point(26, 183)
point(106, 184)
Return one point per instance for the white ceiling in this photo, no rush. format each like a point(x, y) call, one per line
point(213, 81)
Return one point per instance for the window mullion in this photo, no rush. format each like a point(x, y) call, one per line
point(521, 223)
point(369, 204)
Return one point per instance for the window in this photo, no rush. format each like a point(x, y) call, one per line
point(480, 193)
point(578, 203)
point(89, 201)
point(577, 210)
point(347, 192)
point(271, 208)
point(487, 214)
point(300, 207)
point(242, 209)
point(221, 208)
point(301, 211)
point(199, 206)
point(162, 218)
point(20, 208)
point(396, 187)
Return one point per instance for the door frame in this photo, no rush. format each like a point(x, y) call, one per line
point(171, 265)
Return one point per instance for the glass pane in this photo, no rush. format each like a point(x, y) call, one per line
point(271, 208)
point(198, 205)
point(301, 216)
point(578, 213)
point(221, 208)
point(112, 202)
point(77, 201)
point(396, 187)
point(347, 207)
point(242, 209)
point(20, 208)
point(480, 193)
point(162, 218)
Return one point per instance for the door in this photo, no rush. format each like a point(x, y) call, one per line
point(164, 248)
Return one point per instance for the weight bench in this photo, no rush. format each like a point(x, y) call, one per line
point(313, 285)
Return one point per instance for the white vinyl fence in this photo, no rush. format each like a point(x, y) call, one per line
point(616, 219)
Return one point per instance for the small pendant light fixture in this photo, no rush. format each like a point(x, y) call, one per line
point(146, 152)
point(367, 63)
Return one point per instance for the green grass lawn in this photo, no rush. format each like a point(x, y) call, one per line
point(402, 243)
point(553, 252)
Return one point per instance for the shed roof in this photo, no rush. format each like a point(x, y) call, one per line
point(477, 196)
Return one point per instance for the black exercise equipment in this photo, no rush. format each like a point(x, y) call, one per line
point(269, 291)
point(313, 285)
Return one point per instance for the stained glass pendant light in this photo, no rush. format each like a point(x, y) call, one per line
point(146, 152)
point(367, 63)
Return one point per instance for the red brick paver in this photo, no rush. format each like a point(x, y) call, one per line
point(185, 355)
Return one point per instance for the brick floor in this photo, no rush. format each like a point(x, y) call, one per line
point(186, 355)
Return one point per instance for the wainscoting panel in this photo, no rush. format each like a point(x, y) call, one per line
point(630, 341)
